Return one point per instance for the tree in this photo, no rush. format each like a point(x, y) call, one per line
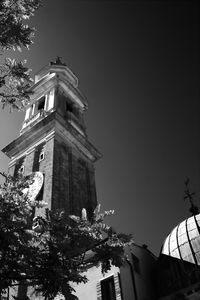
point(15, 80)
point(47, 253)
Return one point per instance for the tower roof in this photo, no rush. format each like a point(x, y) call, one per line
point(57, 67)
point(58, 74)
point(184, 241)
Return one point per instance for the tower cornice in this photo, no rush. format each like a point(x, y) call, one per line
point(52, 123)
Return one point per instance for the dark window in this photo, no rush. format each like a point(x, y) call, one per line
point(69, 107)
point(108, 289)
point(19, 167)
point(21, 170)
point(41, 103)
point(72, 108)
point(136, 263)
point(41, 157)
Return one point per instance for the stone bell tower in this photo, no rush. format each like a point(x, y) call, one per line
point(53, 142)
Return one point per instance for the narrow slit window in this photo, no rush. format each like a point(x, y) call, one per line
point(69, 107)
point(41, 156)
point(21, 170)
point(19, 167)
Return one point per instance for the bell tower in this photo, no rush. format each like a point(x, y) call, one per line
point(53, 142)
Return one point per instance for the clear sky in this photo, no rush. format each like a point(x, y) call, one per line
point(138, 65)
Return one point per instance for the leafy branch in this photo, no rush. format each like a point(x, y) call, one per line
point(46, 252)
point(15, 80)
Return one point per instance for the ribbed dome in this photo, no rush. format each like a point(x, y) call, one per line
point(184, 241)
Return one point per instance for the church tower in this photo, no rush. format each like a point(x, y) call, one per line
point(53, 142)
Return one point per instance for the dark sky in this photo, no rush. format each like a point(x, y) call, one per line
point(138, 65)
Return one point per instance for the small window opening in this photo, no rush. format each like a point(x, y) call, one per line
point(41, 156)
point(19, 166)
point(21, 170)
point(41, 103)
point(108, 289)
point(69, 107)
